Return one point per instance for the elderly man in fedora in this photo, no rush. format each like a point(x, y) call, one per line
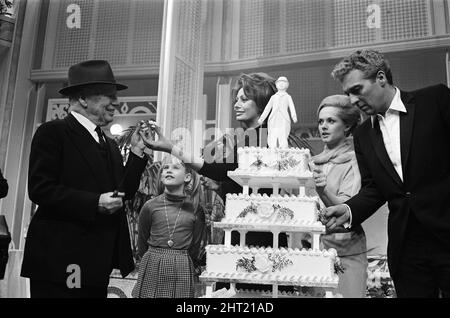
point(77, 178)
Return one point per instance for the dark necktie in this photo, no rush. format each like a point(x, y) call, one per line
point(104, 152)
point(376, 126)
point(101, 139)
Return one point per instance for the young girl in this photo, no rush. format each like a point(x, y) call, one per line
point(170, 233)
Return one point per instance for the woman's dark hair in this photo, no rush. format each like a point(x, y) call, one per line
point(348, 113)
point(258, 87)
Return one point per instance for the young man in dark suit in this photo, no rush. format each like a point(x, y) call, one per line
point(79, 232)
point(403, 153)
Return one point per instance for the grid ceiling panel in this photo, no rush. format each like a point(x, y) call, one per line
point(305, 25)
point(186, 66)
point(251, 29)
point(188, 37)
point(404, 19)
point(208, 32)
point(111, 36)
point(271, 27)
point(183, 95)
point(147, 31)
point(108, 32)
point(350, 26)
point(72, 45)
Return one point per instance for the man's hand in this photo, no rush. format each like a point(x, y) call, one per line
point(137, 144)
point(336, 215)
point(110, 202)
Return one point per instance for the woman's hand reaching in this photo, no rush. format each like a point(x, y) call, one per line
point(162, 144)
point(166, 145)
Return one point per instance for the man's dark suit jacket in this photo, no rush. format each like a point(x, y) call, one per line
point(3, 186)
point(425, 155)
point(66, 177)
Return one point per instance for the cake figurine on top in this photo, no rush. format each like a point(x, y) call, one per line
point(279, 123)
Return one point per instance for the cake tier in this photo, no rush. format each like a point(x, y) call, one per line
point(273, 162)
point(273, 228)
point(270, 266)
point(285, 182)
point(274, 210)
point(245, 293)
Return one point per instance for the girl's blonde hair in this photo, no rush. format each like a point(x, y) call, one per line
point(172, 159)
point(191, 189)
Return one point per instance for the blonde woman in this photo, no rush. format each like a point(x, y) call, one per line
point(337, 179)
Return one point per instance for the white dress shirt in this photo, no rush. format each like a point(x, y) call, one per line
point(86, 123)
point(90, 127)
point(390, 130)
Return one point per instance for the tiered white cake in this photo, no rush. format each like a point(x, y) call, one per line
point(271, 168)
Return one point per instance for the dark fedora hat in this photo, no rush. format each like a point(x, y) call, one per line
point(90, 72)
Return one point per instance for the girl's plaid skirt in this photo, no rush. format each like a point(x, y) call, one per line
point(165, 273)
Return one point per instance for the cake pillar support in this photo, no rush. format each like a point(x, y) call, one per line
point(301, 191)
point(290, 240)
point(302, 187)
point(227, 237)
point(275, 239)
point(209, 290)
point(275, 291)
point(316, 241)
point(233, 288)
point(245, 188)
point(255, 190)
point(276, 188)
point(242, 234)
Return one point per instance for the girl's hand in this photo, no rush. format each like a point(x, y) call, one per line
point(162, 144)
point(320, 179)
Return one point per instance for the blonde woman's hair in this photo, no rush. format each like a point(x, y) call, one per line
point(348, 113)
